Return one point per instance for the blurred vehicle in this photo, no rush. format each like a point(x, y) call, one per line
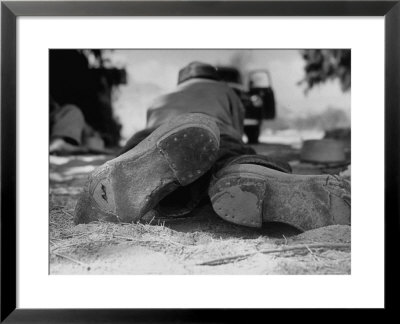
point(257, 98)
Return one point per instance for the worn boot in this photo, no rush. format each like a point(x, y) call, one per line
point(250, 194)
point(175, 154)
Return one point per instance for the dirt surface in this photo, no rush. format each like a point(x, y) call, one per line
point(180, 246)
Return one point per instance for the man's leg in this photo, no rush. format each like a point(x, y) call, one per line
point(231, 148)
point(233, 151)
point(136, 139)
point(67, 125)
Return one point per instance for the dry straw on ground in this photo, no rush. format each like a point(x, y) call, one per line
point(181, 246)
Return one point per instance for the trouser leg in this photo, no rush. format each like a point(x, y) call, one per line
point(135, 140)
point(68, 123)
point(230, 148)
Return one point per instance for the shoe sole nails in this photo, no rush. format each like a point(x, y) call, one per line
point(189, 153)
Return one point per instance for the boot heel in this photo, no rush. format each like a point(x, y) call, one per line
point(239, 199)
point(190, 152)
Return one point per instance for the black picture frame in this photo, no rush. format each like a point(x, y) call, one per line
point(10, 11)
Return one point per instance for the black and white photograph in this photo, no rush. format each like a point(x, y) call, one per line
point(200, 161)
point(191, 161)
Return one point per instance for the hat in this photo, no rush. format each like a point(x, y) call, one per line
point(197, 70)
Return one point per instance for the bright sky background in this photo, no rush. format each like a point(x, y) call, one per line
point(154, 72)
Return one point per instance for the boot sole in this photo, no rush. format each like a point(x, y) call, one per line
point(250, 195)
point(175, 154)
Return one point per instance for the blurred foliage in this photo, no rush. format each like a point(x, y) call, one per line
point(95, 55)
point(327, 64)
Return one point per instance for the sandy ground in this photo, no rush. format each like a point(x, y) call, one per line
point(182, 246)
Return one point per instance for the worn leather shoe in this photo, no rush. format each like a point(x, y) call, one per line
point(250, 194)
point(126, 188)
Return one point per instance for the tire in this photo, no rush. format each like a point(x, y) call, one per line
point(252, 133)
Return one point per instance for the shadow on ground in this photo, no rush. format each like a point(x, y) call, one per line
point(205, 219)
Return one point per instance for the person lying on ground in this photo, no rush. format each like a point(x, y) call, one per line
point(192, 148)
point(69, 132)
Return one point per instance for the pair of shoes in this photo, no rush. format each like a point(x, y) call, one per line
point(248, 191)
